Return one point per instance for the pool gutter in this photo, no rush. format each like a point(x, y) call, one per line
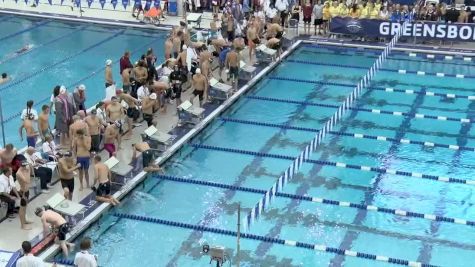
point(95, 215)
point(423, 49)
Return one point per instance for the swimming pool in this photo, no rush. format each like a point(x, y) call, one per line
point(405, 122)
point(63, 53)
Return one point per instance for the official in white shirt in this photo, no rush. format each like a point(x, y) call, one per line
point(84, 258)
point(28, 259)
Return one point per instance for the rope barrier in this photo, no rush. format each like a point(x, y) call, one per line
point(449, 60)
point(31, 75)
point(321, 200)
point(390, 90)
point(355, 135)
point(25, 30)
point(373, 51)
point(317, 247)
point(341, 165)
point(377, 111)
point(44, 44)
point(328, 126)
point(438, 74)
point(44, 100)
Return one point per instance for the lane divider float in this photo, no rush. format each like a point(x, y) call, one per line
point(342, 165)
point(292, 243)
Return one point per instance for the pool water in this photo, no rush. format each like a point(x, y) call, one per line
point(127, 242)
point(63, 53)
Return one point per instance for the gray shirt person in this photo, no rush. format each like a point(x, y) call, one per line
point(318, 11)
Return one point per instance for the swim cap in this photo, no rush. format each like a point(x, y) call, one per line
point(198, 71)
point(153, 96)
point(82, 87)
point(108, 62)
point(184, 47)
point(62, 89)
point(118, 91)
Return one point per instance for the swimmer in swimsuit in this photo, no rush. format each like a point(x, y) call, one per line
point(24, 49)
point(111, 136)
point(103, 175)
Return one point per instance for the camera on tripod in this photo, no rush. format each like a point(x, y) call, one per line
point(217, 253)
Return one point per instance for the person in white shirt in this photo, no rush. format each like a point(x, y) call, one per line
point(49, 148)
point(142, 92)
point(28, 259)
point(36, 163)
point(84, 258)
point(8, 192)
point(29, 110)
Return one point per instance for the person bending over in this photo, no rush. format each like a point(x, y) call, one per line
point(103, 189)
point(50, 218)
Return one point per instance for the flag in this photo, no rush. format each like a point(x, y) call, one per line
point(102, 2)
point(114, 3)
point(62, 2)
point(89, 2)
point(50, 2)
point(156, 4)
point(78, 3)
point(26, 2)
point(125, 3)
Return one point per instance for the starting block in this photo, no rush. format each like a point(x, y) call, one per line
point(189, 113)
point(219, 90)
point(265, 54)
point(163, 139)
point(247, 71)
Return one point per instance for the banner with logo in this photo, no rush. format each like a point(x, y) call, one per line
point(419, 29)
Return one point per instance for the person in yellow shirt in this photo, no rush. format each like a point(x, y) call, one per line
point(374, 13)
point(342, 10)
point(334, 10)
point(365, 11)
point(378, 5)
point(354, 11)
point(326, 16)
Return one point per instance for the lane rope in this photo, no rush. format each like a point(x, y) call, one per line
point(377, 111)
point(292, 243)
point(321, 200)
point(354, 135)
point(45, 44)
point(377, 52)
point(387, 89)
point(44, 100)
point(341, 165)
point(33, 74)
point(400, 71)
point(25, 30)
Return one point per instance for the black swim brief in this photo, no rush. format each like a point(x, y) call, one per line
point(103, 189)
point(63, 229)
point(68, 183)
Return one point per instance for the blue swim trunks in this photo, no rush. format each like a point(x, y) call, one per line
point(84, 161)
point(31, 141)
